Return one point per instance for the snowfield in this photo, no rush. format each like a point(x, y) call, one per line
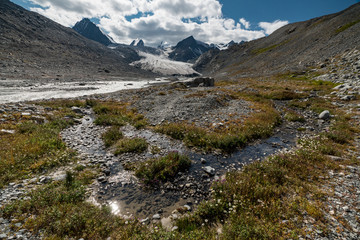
point(163, 65)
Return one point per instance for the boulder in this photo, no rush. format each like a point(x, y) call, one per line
point(201, 82)
point(324, 115)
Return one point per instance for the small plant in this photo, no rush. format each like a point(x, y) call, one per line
point(284, 95)
point(69, 179)
point(162, 169)
point(117, 114)
point(293, 116)
point(125, 145)
point(346, 26)
point(155, 149)
point(111, 136)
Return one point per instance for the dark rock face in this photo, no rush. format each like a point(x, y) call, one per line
point(139, 43)
point(32, 45)
point(293, 47)
point(188, 50)
point(89, 30)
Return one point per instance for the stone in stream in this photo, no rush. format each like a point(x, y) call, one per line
point(77, 110)
point(209, 170)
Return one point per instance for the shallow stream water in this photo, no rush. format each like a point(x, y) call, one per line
point(120, 190)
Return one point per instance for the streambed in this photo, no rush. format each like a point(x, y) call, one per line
point(127, 197)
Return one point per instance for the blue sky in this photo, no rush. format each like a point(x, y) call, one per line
point(290, 10)
point(212, 21)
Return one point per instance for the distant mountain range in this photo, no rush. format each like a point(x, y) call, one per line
point(187, 50)
point(32, 45)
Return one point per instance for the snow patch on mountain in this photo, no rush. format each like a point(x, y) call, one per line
point(163, 65)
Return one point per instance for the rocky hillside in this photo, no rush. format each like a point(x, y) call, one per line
point(89, 30)
point(34, 46)
point(291, 48)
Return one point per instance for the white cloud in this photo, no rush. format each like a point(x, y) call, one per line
point(273, 26)
point(245, 23)
point(155, 20)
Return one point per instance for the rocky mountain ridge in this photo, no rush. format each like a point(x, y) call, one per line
point(32, 45)
point(294, 47)
point(88, 29)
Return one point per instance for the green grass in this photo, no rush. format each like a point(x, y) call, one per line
point(284, 95)
point(293, 116)
point(237, 134)
point(32, 149)
point(154, 171)
point(346, 26)
point(266, 49)
point(254, 201)
point(269, 48)
point(60, 211)
point(117, 114)
point(127, 145)
point(341, 131)
point(111, 136)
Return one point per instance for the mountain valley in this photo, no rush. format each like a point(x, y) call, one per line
point(248, 140)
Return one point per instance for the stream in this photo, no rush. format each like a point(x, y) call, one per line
point(128, 198)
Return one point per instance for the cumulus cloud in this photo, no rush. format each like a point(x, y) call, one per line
point(156, 20)
point(270, 27)
point(245, 23)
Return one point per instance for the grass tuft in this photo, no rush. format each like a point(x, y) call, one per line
point(162, 169)
point(111, 136)
point(126, 145)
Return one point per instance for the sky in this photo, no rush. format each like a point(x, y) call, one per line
point(211, 21)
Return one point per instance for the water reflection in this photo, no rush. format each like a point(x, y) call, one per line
point(115, 208)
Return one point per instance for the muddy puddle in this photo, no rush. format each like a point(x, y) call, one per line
point(120, 190)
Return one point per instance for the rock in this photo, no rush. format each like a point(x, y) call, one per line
point(77, 110)
point(25, 114)
point(203, 161)
point(203, 82)
point(188, 208)
point(175, 228)
point(45, 179)
point(334, 158)
point(339, 87)
point(348, 98)
point(101, 179)
point(7, 131)
point(60, 177)
point(324, 115)
point(3, 236)
point(209, 170)
point(145, 220)
point(156, 217)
